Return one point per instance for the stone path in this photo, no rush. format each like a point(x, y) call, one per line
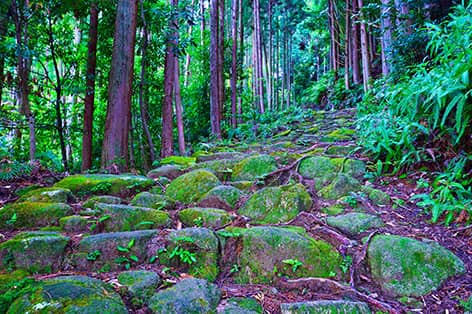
point(289, 225)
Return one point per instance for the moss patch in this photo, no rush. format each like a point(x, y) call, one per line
point(205, 217)
point(227, 194)
point(251, 168)
point(73, 223)
point(141, 284)
point(105, 199)
point(341, 186)
point(47, 195)
point(276, 204)
point(407, 267)
point(149, 200)
point(355, 223)
point(322, 307)
point(32, 214)
point(191, 186)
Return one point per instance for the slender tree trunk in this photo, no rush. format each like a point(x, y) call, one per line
point(90, 89)
point(403, 16)
point(386, 28)
point(347, 42)
point(202, 22)
point(241, 59)
point(179, 109)
point(356, 71)
point(169, 78)
point(188, 58)
point(259, 76)
point(4, 17)
point(23, 71)
point(214, 70)
point(115, 141)
point(143, 107)
point(234, 62)
point(221, 59)
point(364, 49)
point(334, 37)
point(270, 68)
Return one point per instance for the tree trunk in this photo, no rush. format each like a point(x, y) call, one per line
point(403, 17)
point(23, 71)
point(143, 107)
point(234, 63)
point(214, 71)
point(221, 59)
point(334, 37)
point(202, 22)
point(4, 16)
point(115, 141)
point(167, 145)
point(188, 57)
point(241, 59)
point(364, 49)
point(386, 29)
point(179, 109)
point(347, 42)
point(355, 59)
point(90, 89)
point(259, 76)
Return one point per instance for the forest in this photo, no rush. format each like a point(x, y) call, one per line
point(238, 156)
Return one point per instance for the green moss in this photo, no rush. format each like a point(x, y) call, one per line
point(242, 306)
point(228, 194)
point(9, 278)
point(282, 134)
point(205, 217)
point(242, 185)
point(273, 245)
point(73, 223)
point(88, 184)
point(35, 252)
point(200, 241)
point(341, 186)
point(253, 167)
point(47, 195)
point(191, 186)
point(326, 306)
point(407, 267)
point(276, 204)
point(141, 284)
point(32, 214)
point(332, 210)
point(377, 197)
point(178, 160)
point(355, 223)
point(156, 201)
point(128, 218)
point(339, 135)
point(106, 199)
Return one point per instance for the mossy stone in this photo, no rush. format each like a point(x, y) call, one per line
point(106, 244)
point(378, 197)
point(242, 306)
point(333, 210)
point(205, 217)
point(276, 204)
point(105, 199)
point(200, 241)
point(222, 168)
point(339, 135)
point(407, 267)
point(73, 223)
point(340, 150)
point(323, 307)
point(32, 214)
point(227, 194)
point(168, 171)
point(128, 218)
point(204, 157)
point(355, 223)
point(70, 295)
point(242, 185)
point(90, 184)
point(190, 187)
point(251, 168)
point(47, 195)
point(189, 296)
point(149, 200)
point(141, 284)
point(264, 250)
point(342, 185)
point(178, 160)
point(35, 252)
point(10, 278)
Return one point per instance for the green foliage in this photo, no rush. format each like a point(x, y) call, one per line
point(185, 256)
point(14, 170)
point(127, 257)
point(451, 192)
point(346, 264)
point(14, 290)
point(294, 263)
point(466, 304)
point(93, 256)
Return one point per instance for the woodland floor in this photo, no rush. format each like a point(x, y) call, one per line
point(402, 217)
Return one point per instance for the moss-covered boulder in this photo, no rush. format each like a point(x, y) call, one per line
point(227, 195)
point(32, 214)
point(190, 187)
point(251, 168)
point(378, 197)
point(324, 169)
point(242, 185)
point(128, 218)
point(339, 135)
point(205, 217)
point(219, 156)
point(100, 251)
point(91, 184)
point(407, 267)
point(355, 223)
point(323, 307)
point(342, 185)
point(193, 249)
point(241, 306)
point(105, 199)
point(222, 168)
point(189, 296)
point(47, 195)
point(333, 210)
point(268, 252)
point(182, 161)
point(168, 171)
point(74, 294)
point(73, 223)
point(149, 200)
point(141, 284)
point(35, 252)
point(276, 204)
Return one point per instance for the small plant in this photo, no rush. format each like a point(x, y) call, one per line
point(12, 220)
point(102, 187)
point(128, 258)
point(185, 256)
point(466, 304)
point(234, 269)
point(93, 256)
point(14, 290)
point(198, 222)
point(346, 264)
point(294, 263)
point(99, 222)
point(144, 224)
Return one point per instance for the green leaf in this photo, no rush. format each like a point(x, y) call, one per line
point(134, 258)
point(122, 249)
point(131, 244)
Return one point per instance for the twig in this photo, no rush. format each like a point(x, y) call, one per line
point(462, 229)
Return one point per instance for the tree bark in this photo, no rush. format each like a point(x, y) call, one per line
point(90, 89)
point(259, 76)
point(234, 62)
point(4, 17)
point(179, 109)
point(347, 42)
point(221, 59)
point(115, 141)
point(364, 49)
point(355, 59)
point(167, 145)
point(386, 29)
point(143, 107)
point(214, 71)
point(241, 59)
